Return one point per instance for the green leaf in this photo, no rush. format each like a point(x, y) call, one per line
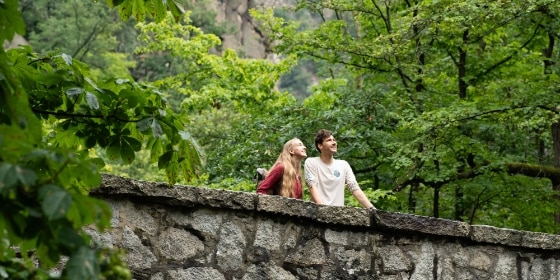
point(87, 211)
point(82, 264)
point(115, 2)
point(71, 239)
point(67, 58)
point(176, 8)
point(127, 153)
point(130, 96)
point(164, 159)
point(73, 92)
point(156, 149)
point(125, 10)
point(114, 149)
point(8, 176)
point(14, 142)
point(26, 176)
point(92, 101)
point(93, 84)
point(144, 124)
point(134, 143)
point(3, 272)
point(55, 201)
point(158, 9)
point(138, 10)
point(90, 142)
point(11, 21)
point(120, 81)
point(157, 131)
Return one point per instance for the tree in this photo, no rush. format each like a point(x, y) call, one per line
point(453, 97)
point(51, 113)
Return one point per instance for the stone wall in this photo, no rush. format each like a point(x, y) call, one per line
point(184, 232)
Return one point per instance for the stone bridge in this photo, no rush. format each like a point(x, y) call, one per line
point(184, 232)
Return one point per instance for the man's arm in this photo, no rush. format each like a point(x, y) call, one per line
point(352, 185)
point(314, 194)
point(311, 182)
point(362, 198)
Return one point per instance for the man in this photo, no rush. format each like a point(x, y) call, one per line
point(326, 176)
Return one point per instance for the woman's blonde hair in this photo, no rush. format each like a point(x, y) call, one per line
point(291, 168)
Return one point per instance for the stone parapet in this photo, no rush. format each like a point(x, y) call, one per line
point(186, 232)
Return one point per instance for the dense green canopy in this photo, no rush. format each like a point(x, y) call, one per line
point(443, 108)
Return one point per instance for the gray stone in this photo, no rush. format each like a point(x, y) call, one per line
point(354, 262)
point(230, 248)
point(207, 222)
point(195, 273)
point(268, 235)
point(336, 237)
point(394, 259)
point(540, 240)
point(200, 233)
point(420, 224)
point(138, 218)
point(343, 215)
point(115, 210)
point(286, 206)
point(178, 245)
point(424, 263)
point(105, 239)
point(291, 232)
point(157, 276)
point(226, 198)
point(267, 271)
point(308, 254)
point(495, 235)
point(138, 256)
point(505, 268)
point(481, 261)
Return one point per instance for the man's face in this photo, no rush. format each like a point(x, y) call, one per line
point(328, 146)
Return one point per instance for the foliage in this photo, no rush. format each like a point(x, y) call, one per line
point(52, 112)
point(442, 98)
point(214, 89)
point(210, 80)
point(83, 29)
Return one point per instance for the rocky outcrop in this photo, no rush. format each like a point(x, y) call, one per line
point(245, 36)
point(184, 232)
point(16, 41)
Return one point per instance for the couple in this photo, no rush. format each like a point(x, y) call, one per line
point(324, 175)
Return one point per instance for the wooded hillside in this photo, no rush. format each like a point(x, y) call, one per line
point(443, 108)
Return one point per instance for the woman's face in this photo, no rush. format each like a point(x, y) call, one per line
point(298, 149)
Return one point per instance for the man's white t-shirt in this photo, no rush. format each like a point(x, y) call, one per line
point(329, 179)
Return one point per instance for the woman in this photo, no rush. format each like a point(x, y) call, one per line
point(284, 178)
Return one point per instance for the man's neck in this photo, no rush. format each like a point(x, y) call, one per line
point(327, 158)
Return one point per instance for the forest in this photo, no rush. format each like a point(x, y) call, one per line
point(443, 108)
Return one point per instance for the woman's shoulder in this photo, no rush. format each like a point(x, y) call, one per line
point(278, 165)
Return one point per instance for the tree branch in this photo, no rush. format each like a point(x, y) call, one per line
point(90, 116)
point(513, 168)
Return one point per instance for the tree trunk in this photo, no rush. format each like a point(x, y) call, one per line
point(459, 209)
point(555, 129)
point(436, 201)
point(463, 67)
point(412, 198)
point(556, 148)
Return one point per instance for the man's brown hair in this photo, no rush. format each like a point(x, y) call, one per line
point(321, 135)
